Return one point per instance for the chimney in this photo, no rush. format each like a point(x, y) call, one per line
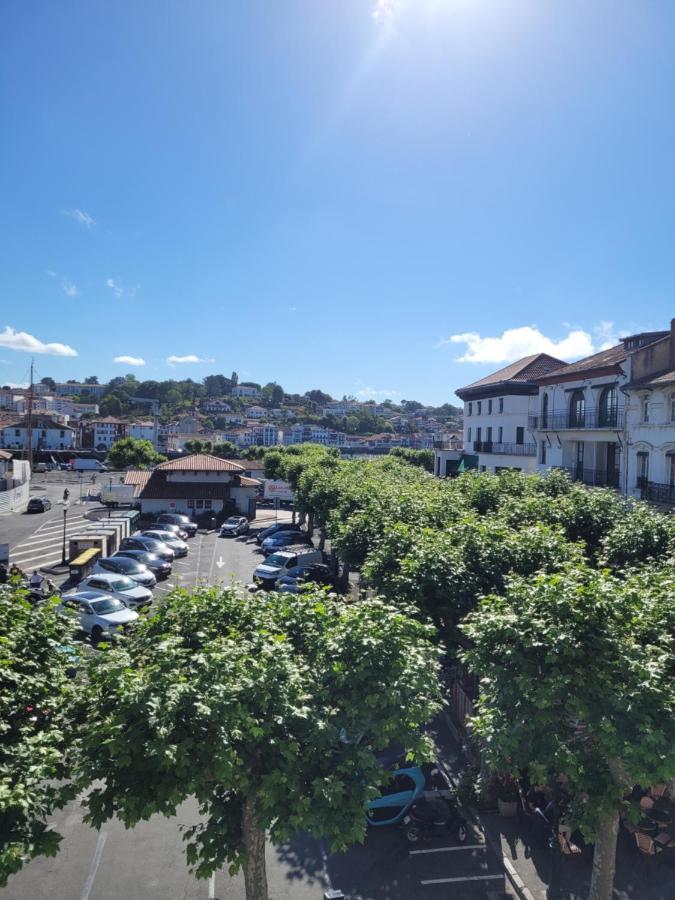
point(672, 344)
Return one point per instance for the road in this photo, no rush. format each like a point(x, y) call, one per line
point(149, 862)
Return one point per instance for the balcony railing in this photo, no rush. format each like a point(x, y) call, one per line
point(574, 420)
point(505, 449)
point(657, 493)
point(595, 477)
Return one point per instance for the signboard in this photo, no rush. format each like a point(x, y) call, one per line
point(4, 553)
point(277, 490)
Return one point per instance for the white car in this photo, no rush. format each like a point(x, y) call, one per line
point(118, 586)
point(179, 547)
point(98, 613)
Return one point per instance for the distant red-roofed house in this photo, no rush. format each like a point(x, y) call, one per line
point(195, 484)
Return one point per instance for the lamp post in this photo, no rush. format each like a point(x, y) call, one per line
point(66, 504)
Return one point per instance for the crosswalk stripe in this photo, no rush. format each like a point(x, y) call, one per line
point(49, 539)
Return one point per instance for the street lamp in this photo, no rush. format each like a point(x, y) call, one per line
point(66, 504)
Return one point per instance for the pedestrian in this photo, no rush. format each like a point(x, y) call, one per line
point(3, 573)
point(36, 580)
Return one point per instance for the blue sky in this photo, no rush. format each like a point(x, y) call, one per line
point(378, 199)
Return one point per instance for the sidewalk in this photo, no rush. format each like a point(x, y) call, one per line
point(527, 857)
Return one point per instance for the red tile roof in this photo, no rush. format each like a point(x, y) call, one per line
point(522, 371)
point(158, 487)
point(199, 462)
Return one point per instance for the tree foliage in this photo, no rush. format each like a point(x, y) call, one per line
point(244, 703)
point(133, 452)
point(36, 704)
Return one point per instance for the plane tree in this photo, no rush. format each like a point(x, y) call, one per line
point(577, 676)
point(36, 727)
point(269, 710)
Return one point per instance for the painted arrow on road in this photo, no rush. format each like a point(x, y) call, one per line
point(220, 563)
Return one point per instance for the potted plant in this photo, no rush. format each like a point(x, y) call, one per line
point(506, 790)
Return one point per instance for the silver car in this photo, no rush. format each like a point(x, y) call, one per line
point(179, 547)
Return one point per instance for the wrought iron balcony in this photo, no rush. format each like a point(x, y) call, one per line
point(595, 477)
point(505, 449)
point(575, 420)
point(657, 493)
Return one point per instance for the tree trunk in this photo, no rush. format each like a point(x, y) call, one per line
point(344, 578)
point(322, 538)
point(255, 873)
point(604, 857)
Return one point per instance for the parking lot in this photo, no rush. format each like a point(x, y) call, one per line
point(149, 862)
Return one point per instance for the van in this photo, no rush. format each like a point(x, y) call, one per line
point(40, 467)
point(87, 465)
point(280, 562)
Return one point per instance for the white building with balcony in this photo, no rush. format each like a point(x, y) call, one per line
point(604, 418)
point(497, 409)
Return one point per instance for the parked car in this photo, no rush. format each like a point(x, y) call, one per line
point(150, 545)
point(180, 548)
point(159, 567)
point(132, 568)
point(285, 539)
point(175, 530)
point(273, 529)
point(39, 504)
point(279, 563)
point(98, 613)
point(234, 526)
point(135, 596)
point(297, 576)
point(183, 522)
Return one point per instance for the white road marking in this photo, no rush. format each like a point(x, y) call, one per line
point(465, 878)
point(93, 868)
point(449, 849)
point(212, 886)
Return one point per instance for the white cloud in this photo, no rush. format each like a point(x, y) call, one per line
point(190, 358)
point(130, 360)
point(21, 340)
point(79, 215)
point(369, 393)
point(515, 343)
point(606, 336)
point(69, 288)
point(52, 273)
point(118, 289)
point(384, 9)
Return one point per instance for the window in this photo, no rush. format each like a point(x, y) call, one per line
point(17, 433)
point(609, 405)
point(544, 411)
point(490, 407)
point(520, 435)
point(642, 469)
point(542, 453)
point(191, 504)
point(62, 434)
point(501, 404)
point(478, 434)
point(200, 504)
point(577, 409)
point(672, 407)
point(468, 435)
point(470, 412)
point(207, 504)
point(671, 469)
point(500, 434)
point(645, 410)
point(479, 407)
point(488, 434)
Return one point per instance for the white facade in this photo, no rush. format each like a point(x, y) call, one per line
point(143, 431)
point(107, 431)
point(496, 431)
point(256, 412)
point(47, 435)
point(244, 390)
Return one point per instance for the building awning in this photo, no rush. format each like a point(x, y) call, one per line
point(467, 462)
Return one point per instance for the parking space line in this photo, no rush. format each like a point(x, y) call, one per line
point(449, 849)
point(93, 869)
point(212, 887)
point(464, 878)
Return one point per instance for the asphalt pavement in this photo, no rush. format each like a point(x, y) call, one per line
point(148, 861)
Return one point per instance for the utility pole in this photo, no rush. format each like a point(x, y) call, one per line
point(29, 421)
